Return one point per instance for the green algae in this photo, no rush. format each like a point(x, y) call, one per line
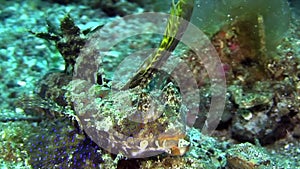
point(210, 15)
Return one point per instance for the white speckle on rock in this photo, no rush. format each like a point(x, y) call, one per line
point(21, 83)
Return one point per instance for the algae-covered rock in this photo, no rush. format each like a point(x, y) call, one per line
point(248, 156)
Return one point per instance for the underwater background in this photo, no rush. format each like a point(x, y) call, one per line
point(258, 43)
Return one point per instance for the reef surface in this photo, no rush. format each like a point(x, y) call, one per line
point(40, 128)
